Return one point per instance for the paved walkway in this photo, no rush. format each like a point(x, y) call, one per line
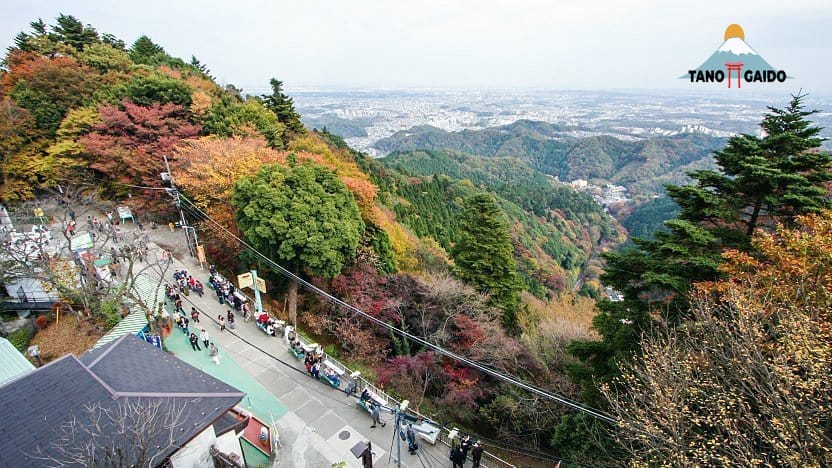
point(317, 424)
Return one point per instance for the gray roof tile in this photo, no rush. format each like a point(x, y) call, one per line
point(44, 399)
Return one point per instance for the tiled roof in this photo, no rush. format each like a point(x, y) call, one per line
point(13, 364)
point(150, 293)
point(37, 404)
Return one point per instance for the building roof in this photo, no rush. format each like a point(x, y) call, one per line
point(150, 293)
point(13, 364)
point(126, 370)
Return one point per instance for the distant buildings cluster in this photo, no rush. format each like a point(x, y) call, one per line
point(606, 195)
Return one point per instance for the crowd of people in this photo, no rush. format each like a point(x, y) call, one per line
point(225, 290)
point(268, 324)
point(460, 448)
point(173, 299)
point(187, 283)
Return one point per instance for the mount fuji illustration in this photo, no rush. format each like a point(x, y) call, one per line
point(735, 57)
point(735, 50)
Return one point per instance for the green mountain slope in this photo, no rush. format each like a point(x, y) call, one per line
point(556, 230)
point(640, 165)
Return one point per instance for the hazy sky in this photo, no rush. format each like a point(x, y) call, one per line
point(577, 44)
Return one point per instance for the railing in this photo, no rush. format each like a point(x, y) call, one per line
point(488, 459)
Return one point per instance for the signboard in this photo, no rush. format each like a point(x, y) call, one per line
point(245, 280)
point(261, 285)
point(82, 241)
point(155, 340)
point(200, 254)
point(38, 212)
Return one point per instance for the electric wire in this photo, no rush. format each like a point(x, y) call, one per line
point(204, 314)
point(474, 364)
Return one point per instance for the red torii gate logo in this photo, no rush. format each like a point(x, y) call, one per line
point(734, 67)
point(735, 55)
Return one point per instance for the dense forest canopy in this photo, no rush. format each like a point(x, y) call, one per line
point(468, 240)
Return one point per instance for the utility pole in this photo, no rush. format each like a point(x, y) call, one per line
point(178, 202)
point(397, 433)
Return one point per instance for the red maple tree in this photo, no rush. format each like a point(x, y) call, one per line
point(128, 147)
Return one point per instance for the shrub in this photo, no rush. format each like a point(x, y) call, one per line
point(20, 338)
point(41, 322)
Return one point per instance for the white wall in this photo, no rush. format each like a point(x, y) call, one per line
point(229, 443)
point(196, 454)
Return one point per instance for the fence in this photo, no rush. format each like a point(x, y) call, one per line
point(488, 459)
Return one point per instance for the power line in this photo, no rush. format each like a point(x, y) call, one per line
point(338, 401)
point(474, 364)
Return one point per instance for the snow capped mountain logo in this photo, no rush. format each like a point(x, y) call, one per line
point(736, 61)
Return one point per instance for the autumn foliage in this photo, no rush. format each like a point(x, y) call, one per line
point(127, 148)
point(746, 381)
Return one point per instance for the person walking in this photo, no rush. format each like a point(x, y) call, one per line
point(230, 316)
point(194, 342)
point(194, 315)
point(377, 416)
point(410, 435)
point(214, 353)
point(465, 445)
point(457, 457)
point(185, 325)
point(476, 454)
point(221, 321)
point(203, 336)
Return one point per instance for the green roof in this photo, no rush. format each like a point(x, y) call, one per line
point(13, 364)
point(150, 293)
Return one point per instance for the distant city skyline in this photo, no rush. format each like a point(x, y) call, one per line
point(559, 44)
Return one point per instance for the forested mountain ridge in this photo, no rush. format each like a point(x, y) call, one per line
point(642, 165)
point(552, 221)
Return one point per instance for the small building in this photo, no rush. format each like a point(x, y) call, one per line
point(175, 412)
point(13, 364)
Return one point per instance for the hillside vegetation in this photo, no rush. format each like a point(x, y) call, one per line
point(643, 166)
point(719, 353)
point(476, 263)
point(557, 230)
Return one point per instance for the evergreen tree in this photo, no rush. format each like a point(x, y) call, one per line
point(113, 41)
point(38, 27)
point(762, 182)
point(484, 256)
point(72, 32)
point(145, 51)
point(282, 105)
point(201, 67)
point(302, 216)
point(22, 40)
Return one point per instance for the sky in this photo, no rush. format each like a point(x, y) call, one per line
point(460, 44)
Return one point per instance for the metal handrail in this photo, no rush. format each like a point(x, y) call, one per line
point(444, 431)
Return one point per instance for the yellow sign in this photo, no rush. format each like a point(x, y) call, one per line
point(200, 254)
point(38, 212)
point(261, 285)
point(244, 280)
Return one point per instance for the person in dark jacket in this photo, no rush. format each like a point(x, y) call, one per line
point(412, 446)
point(476, 454)
point(465, 445)
point(194, 342)
point(457, 457)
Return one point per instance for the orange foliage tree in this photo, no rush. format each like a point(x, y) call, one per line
point(748, 380)
point(206, 169)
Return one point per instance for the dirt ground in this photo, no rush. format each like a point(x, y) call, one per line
point(64, 337)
